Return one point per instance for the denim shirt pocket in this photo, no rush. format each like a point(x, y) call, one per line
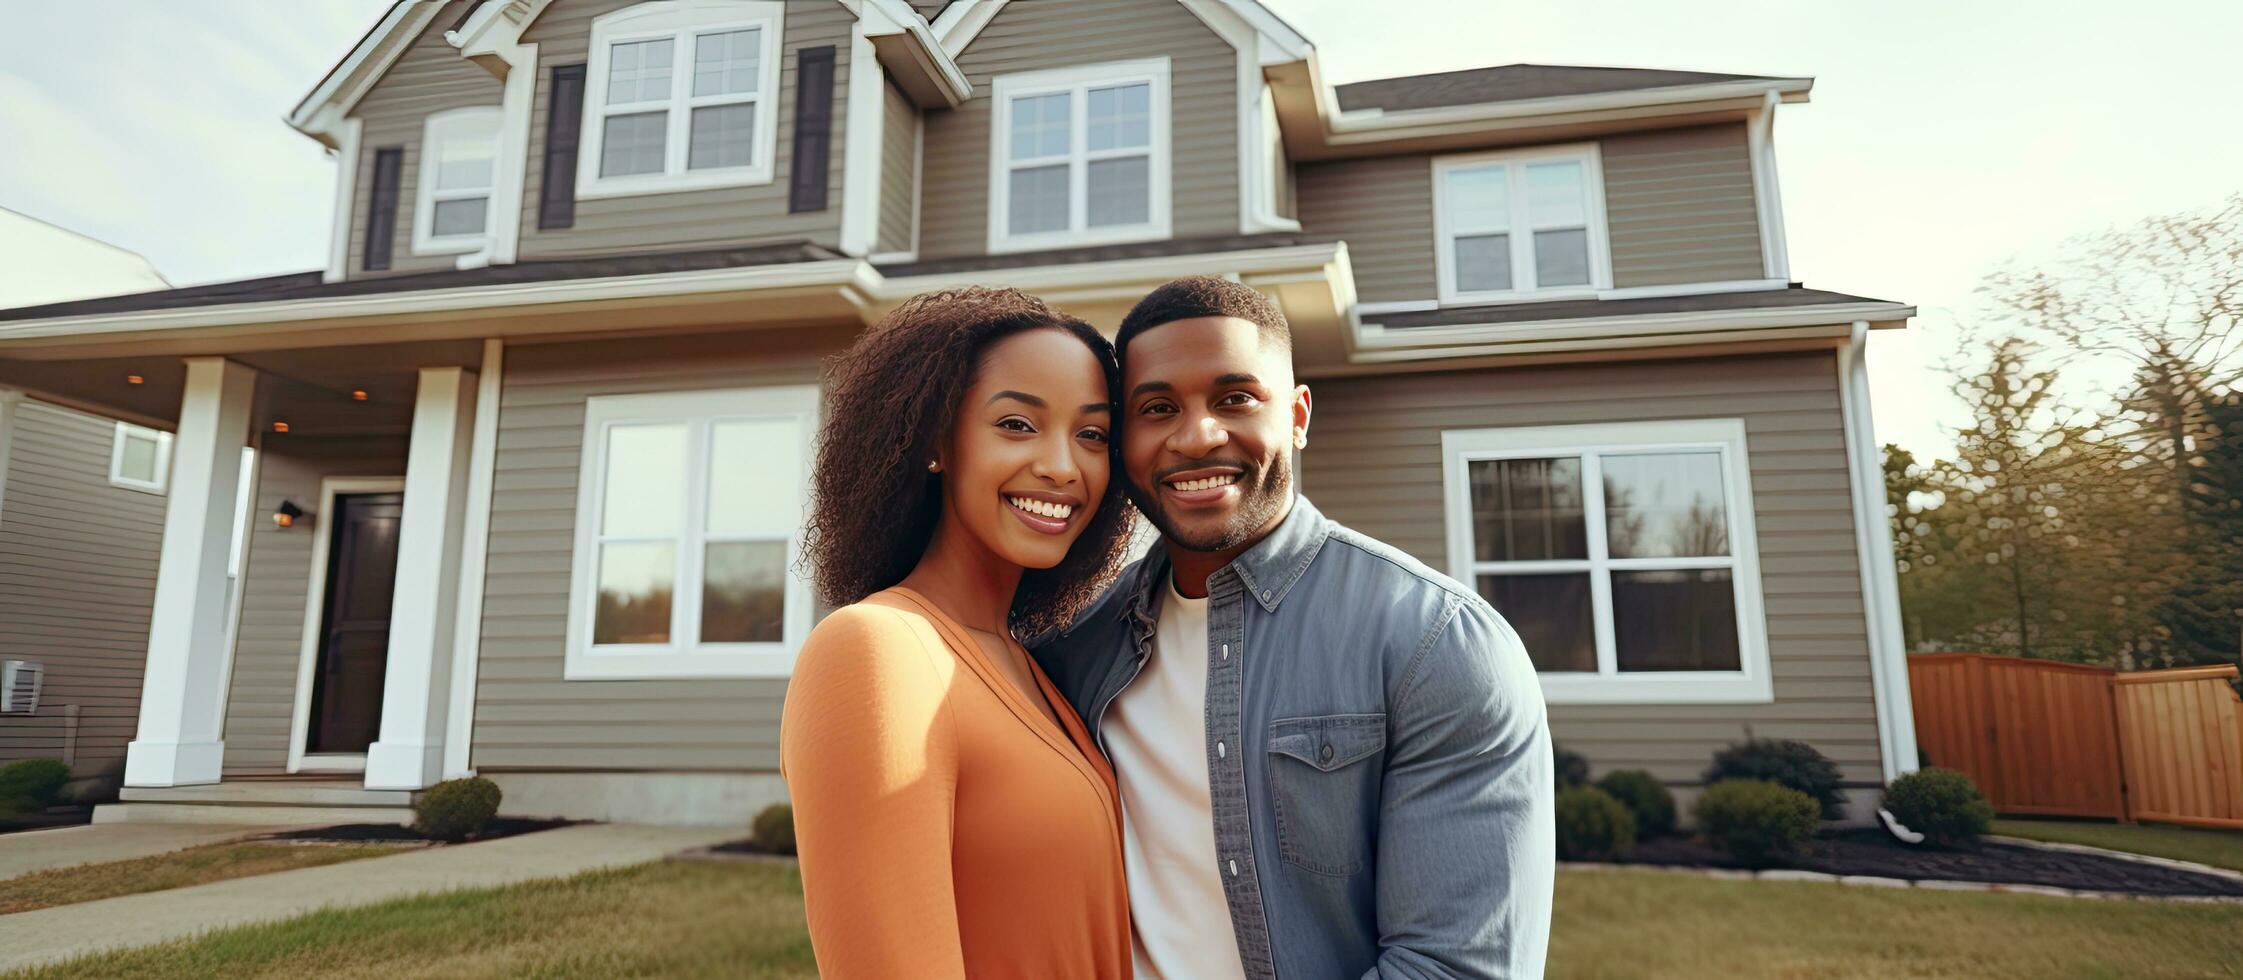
point(1324, 784)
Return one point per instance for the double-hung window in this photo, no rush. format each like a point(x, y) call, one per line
point(459, 156)
point(1520, 225)
point(681, 94)
point(140, 458)
point(689, 519)
point(1624, 555)
point(1080, 156)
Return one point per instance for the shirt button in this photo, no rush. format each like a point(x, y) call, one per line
point(1327, 752)
point(1234, 869)
point(1219, 750)
point(1266, 594)
point(1226, 651)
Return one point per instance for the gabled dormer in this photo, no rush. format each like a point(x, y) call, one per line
point(476, 132)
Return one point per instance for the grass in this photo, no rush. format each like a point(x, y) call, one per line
point(178, 869)
point(689, 919)
point(668, 919)
point(2218, 848)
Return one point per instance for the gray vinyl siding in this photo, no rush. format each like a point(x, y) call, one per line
point(1383, 208)
point(275, 584)
point(1042, 34)
point(1374, 463)
point(77, 580)
point(526, 715)
point(1680, 206)
point(430, 77)
point(681, 220)
point(899, 166)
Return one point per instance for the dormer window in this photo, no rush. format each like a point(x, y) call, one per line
point(459, 154)
point(1080, 156)
point(680, 95)
point(1520, 225)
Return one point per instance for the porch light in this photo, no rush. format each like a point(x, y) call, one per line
point(358, 394)
point(134, 379)
point(280, 427)
point(287, 514)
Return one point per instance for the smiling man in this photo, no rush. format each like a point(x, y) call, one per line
point(1334, 761)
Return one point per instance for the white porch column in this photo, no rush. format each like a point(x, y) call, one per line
point(182, 696)
point(417, 690)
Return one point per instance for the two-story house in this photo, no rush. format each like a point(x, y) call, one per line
point(532, 447)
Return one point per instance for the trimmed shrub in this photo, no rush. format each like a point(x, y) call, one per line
point(1572, 768)
point(1592, 826)
point(1784, 761)
point(31, 785)
point(1757, 821)
point(456, 809)
point(1645, 797)
point(774, 829)
point(1941, 804)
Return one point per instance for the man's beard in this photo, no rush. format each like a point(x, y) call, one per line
point(1264, 492)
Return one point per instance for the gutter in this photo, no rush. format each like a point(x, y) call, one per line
point(857, 280)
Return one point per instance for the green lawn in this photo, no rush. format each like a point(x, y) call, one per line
point(685, 919)
point(178, 869)
point(2218, 848)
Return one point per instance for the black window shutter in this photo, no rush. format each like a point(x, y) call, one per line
point(564, 124)
point(381, 206)
point(813, 129)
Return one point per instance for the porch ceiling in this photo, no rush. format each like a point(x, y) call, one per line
point(310, 389)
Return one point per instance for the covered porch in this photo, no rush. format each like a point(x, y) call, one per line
point(313, 564)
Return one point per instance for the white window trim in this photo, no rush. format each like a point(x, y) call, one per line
point(684, 656)
point(117, 477)
point(471, 122)
point(1522, 240)
point(1751, 684)
point(682, 21)
point(1078, 81)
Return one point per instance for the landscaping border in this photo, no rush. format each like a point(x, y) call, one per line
point(2150, 859)
point(1866, 881)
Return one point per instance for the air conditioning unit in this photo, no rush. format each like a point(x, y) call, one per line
point(19, 686)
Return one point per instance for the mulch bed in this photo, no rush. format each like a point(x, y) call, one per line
point(61, 816)
point(1874, 853)
point(389, 833)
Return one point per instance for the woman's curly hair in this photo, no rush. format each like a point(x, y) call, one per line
point(890, 401)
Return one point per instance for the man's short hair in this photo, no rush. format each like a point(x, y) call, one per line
point(1200, 296)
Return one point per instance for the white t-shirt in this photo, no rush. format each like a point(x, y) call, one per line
point(1156, 734)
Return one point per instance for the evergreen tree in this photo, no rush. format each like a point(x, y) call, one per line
point(2204, 614)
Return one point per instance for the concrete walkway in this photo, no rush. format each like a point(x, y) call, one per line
point(62, 847)
point(49, 935)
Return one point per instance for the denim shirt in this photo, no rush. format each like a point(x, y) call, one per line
point(1378, 755)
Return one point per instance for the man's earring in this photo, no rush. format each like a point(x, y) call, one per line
point(1300, 442)
point(934, 466)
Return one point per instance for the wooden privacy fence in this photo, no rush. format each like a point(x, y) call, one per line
point(2066, 739)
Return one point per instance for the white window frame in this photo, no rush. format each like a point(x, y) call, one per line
point(472, 122)
point(117, 478)
point(684, 656)
point(1521, 228)
point(1077, 82)
point(681, 21)
point(1751, 683)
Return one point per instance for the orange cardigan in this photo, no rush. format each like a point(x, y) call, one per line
point(946, 828)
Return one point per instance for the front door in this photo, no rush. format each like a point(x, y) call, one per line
point(346, 708)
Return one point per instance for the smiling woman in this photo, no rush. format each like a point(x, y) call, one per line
point(953, 816)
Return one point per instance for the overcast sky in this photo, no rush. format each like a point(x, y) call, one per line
point(1944, 137)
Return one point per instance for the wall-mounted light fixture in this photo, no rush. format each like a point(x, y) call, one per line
point(280, 427)
point(358, 394)
point(287, 514)
point(134, 379)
